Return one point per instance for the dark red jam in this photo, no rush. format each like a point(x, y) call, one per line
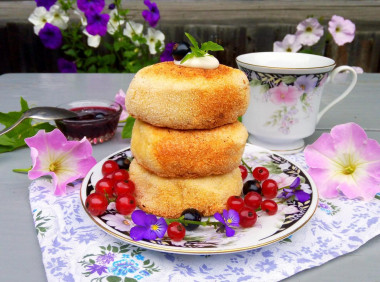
point(98, 124)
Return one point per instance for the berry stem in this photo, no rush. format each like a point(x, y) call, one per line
point(246, 165)
point(186, 222)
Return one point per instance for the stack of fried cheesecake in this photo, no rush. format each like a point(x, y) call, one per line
point(187, 141)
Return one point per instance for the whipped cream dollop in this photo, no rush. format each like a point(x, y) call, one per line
point(206, 62)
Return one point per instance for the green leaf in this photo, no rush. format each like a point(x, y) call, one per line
point(24, 105)
point(187, 57)
point(109, 59)
point(15, 138)
point(127, 129)
point(71, 52)
point(255, 82)
point(192, 40)
point(147, 262)
point(128, 279)
point(211, 46)
point(88, 52)
point(197, 52)
point(92, 69)
point(113, 279)
point(288, 79)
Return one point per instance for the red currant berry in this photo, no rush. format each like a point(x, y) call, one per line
point(124, 187)
point(253, 200)
point(260, 173)
point(109, 167)
point(120, 175)
point(105, 186)
point(244, 171)
point(269, 188)
point(125, 204)
point(96, 204)
point(248, 217)
point(176, 231)
point(269, 206)
point(235, 203)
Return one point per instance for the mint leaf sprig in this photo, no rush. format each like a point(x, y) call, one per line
point(202, 51)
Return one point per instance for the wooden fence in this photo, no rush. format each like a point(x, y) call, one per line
point(240, 26)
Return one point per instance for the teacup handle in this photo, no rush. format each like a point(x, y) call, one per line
point(345, 93)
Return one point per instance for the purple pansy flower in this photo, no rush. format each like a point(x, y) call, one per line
point(97, 23)
point(292, 190)
point(50, 36)
point(111, 6)
point(91, 5)
point(166, 55)
point(97, 268)
point(147, 226)
point(306, 83)
point(65, 66)
point(152, 16)
point(229, 218)
point(45, 3)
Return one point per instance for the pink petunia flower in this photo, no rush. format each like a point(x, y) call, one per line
point(283, 94)
point(309, 31)
point(345, 160)
point(120, 99)
point(288, 44)
point(344, 76)
point(343, 31)
point(65, 161)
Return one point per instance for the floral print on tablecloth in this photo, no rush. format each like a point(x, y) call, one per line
point(75, 249)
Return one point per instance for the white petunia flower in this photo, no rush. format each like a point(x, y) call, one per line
point(114, 22)
point(39, 18)
point(132, 28)
point(83, 19)
point(92, 40)
point(152, 38)
point(58, 17)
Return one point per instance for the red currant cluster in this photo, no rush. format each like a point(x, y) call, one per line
point(114, 186)
point(254, 190)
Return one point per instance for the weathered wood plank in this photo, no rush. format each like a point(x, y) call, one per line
point(230, 12)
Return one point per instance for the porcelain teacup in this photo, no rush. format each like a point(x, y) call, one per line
point(286, 90)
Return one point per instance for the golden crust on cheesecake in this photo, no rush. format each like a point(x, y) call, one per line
point(168, 197)
point(188, 153)
point(168, 95)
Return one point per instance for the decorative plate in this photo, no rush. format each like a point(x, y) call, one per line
point(291, 215)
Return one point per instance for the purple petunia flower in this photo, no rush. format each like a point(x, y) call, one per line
point(65, 66)
point(97, 23)
point(50, 36)
point(292, 190)
point(166, 55)
point(97, 268)
point(152, 16)
point(45, 3)
point(306, 83)
point(111, 6)
point(229, 218)
point(147, 226)
point(91, 5)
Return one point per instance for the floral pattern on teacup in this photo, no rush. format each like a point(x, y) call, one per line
point(290, 93)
